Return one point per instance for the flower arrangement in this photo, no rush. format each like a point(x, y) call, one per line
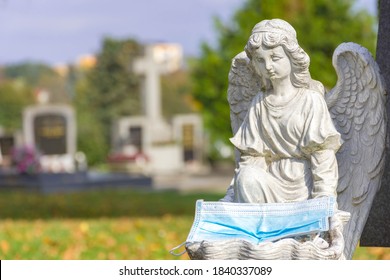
point(25, 159)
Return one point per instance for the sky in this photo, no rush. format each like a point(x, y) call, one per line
point(60, 31)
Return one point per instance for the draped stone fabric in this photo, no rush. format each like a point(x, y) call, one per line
point(287, 151)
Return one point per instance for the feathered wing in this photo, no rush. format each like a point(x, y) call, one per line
point(357, 106)
point(244, 84)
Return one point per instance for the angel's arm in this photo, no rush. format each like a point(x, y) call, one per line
point(324, 173)
point(321, 141)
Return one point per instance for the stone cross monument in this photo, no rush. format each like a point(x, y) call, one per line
point(167, 146)
point(147, 67)
point(155, 62)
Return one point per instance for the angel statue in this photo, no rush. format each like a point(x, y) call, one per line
point(295, 143)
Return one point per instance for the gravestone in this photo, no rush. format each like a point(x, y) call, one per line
point(51, 130)
point(130, 134)
point(188, 142)
point(377, 229)
point(130, 138)
point(188, 131)
point(7, 142)
point(50, 133)
point(136, 136)
point(136, 148)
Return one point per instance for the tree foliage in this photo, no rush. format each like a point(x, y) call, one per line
point(176, 94)
point(108, 91)
point(29, 71)
point(14, 96)
point(321, 26)
point(113, 87)
point(39, 76)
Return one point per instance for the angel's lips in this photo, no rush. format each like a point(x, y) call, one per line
point(271, 74)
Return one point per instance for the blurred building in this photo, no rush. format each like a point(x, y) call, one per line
point(86, 61)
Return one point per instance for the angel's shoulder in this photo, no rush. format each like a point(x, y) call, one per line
point(314, 101)
point(314, 96)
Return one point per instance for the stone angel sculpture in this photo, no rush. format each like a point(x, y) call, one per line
point(295, 142)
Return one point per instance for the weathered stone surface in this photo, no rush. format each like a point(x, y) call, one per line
point(265, 131)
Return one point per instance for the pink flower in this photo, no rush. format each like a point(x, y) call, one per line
point(25, 159)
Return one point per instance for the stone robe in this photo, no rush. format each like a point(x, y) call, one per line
point(287, 152)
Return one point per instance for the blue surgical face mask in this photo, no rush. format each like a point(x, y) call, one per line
point(255, 223)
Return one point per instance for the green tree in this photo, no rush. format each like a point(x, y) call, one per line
point(321, 26)
point(90, 137)
point(176, 94)
point(14, 97)
point(28, 71)
point(108, 91)
point(40, 76)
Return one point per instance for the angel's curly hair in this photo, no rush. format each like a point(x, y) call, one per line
point(277, 32)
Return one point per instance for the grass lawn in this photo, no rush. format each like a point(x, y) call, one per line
point(107, 224)
point(111, 224)
point(106, 238)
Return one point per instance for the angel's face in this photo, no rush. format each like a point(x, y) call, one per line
point(271, 63)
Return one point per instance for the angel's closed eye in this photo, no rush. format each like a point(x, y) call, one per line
point(260, 60)
point(276, 58)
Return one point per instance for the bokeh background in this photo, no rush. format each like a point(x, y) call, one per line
point(81, 54)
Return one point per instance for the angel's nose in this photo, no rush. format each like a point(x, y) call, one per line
point(268, 65)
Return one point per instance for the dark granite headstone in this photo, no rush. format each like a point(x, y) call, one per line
point(136, 137)
point(377, 230)
point(51, 130)
point(50, 133)
point(188, 142)
point(7, 142)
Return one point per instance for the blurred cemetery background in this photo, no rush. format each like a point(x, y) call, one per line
point(104, 157)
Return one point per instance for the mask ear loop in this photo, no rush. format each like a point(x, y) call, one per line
point(176, 248)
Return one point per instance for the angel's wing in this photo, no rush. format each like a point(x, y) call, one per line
point(357, 106)
point(244, 84)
